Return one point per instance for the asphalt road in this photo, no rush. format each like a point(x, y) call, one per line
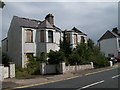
point(107, 79)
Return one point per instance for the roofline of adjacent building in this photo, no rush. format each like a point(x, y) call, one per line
point(4, 39)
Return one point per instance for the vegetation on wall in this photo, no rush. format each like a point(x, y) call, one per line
point(85, 53)
point(82, 54)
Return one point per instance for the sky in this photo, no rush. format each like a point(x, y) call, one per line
point(92, 18)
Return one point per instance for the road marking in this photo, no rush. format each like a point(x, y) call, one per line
point(91, 85)
point(98, 71)
point(116, 76)
point(45, 82)
point(26, 86)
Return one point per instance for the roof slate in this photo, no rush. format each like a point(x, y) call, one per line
point(45, 24)
point(25, 22)
point(74, 29)
point(108, 35)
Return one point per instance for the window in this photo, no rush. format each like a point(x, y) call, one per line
point(119, 43)
point(29, 55)
point(42, 36)
point(75, 39)
point(29, 35)
point(50, 36)
point(7, 45)
point(82, 39)
point(68, 38)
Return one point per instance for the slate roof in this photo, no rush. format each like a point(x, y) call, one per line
point(25, 22)
point(57, 28)
point(45, 24)
point(74, 29)
point(32, 23)
point(108, 34)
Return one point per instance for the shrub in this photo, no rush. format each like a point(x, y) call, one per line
point(5, 59)
point(73, 59)
point(55, 57)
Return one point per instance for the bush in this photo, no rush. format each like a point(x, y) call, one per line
point(73, 59)
point(55, 57)
point(86, 53)
point(32, 68)
point(5, 59)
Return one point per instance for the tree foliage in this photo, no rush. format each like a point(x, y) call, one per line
point(85, 53)
point(55, 57)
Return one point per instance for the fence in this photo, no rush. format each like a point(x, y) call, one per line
point(7, 72)
point(62, 68)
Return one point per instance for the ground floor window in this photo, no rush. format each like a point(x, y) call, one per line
point(29, 55)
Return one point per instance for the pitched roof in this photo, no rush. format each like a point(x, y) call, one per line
point(108, 35)
point(25, 22)
point(45, 24)
point(74, 29)
point(57, 28)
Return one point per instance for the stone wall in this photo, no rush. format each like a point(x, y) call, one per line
point(62, 68)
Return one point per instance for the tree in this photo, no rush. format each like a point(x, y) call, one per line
point(2, 4)
point(55, 57)
point(5, 59)
point(42, 58)
point(65, 46)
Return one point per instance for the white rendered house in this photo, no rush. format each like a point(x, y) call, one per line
point(29, 37)
point(109, 43)
point(75, 37)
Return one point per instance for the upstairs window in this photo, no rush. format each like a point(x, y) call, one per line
point(82, 39)
point(75, 39)
point(29, 35)
point(119, 43)
point(42, 36)
point(50, 36)
point(68, 38)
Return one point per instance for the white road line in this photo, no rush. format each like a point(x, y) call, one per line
point(91, 85)
point(99, 71)
point(116, 76)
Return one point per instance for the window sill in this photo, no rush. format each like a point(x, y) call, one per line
point(29, 42)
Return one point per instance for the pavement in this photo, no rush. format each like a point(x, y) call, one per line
point(12, 83)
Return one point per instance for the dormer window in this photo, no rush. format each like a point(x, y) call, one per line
point(50, 36)
point(29, 36)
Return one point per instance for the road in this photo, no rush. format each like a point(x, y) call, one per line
point(105, 79)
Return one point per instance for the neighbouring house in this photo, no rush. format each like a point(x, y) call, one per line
point(75, 37)
point(109, 43)
point(28, 37)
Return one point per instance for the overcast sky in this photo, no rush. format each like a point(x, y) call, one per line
point(93, 18)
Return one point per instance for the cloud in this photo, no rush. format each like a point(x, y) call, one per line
point(93, 18)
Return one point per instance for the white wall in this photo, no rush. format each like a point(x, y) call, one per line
point(109, 46)
point(46, 46)
point(28, 47)
point(79, 39)
point(52, 46)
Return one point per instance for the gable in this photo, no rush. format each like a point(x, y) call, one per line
point(45, 24)
point(107, 35)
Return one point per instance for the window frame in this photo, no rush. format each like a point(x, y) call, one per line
point(43, 37)
point(31, 37)
point(50, 35)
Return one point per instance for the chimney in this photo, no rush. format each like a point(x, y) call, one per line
point(116, 30)
point(50, 19)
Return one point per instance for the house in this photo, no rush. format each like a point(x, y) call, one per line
point(109, 43)
point(75, 37)
point(29, 37)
